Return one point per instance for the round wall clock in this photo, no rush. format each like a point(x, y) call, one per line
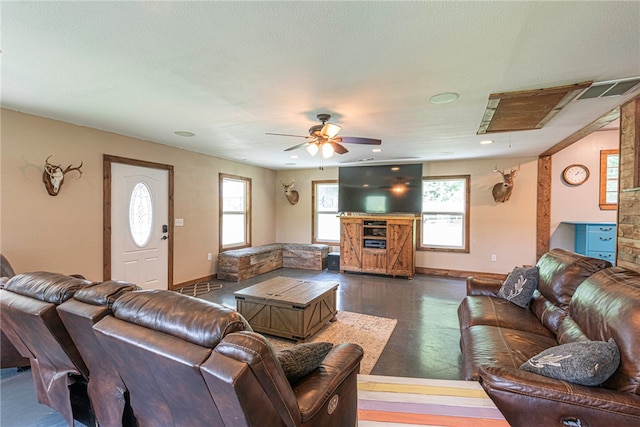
point(575, 174)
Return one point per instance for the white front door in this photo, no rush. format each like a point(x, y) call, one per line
point(140, 225)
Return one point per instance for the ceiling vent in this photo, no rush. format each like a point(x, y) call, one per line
point(610, 88)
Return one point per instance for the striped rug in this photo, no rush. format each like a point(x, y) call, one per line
point(396, 402)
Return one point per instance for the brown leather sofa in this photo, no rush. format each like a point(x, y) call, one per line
point(30, 320)
point(186, 361)
point(10, 357)
point(578, 299)
point(106, 390)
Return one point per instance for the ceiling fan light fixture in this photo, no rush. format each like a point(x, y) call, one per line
point(312, 149)
point(330, 130)
point(327, 150)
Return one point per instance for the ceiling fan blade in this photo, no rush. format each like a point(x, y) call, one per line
point(286, 134)
point(356, 140)
point(330, 130)
point(338, 148)
point(295, 147)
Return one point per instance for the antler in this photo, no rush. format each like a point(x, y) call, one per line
point(495, 169)
point(69, 169)
point(288, 185)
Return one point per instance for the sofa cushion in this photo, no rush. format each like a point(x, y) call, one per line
point(492, 311)
point(44, 286)
point(587, 363)
point(104, 294)
point(607, 305)
point(496, 346)
point(301, 359)
point(562, 271)
point(192, 319)
point(519, 286)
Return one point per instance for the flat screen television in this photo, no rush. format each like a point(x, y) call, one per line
point(380, 189)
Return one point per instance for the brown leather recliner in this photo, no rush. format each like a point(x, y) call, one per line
point(108, 395)
point(30, 320)
point(250, 388)
point(186, 361)
point(157, 341)
point(10, 357)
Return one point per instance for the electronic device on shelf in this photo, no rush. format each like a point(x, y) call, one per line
point(375, 243)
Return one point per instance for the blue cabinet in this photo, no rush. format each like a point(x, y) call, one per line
point(596, 240)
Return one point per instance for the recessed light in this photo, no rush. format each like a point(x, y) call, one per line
point(395, 168)
point(290, 164)
point(184, 133)
point(294, 156)
point(444, 98)
point(486, 141)
point(377, 150)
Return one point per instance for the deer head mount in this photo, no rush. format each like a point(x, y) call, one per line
point(291, 195)
point(502, 190)
point(53, 176)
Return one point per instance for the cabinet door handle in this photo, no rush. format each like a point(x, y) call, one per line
point(605, 256)
point(606, 239)
point(606, 229)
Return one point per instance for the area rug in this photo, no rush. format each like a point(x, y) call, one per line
point(199, 288)
point(394, 401)
point(371, 332)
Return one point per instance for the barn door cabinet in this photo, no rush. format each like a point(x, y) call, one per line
point(378, 245)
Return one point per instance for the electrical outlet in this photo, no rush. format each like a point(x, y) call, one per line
point(493, 257)
point(209, 256)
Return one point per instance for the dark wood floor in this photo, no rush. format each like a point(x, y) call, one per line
point(424, 344)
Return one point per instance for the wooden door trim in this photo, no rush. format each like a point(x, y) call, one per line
point(107, 160)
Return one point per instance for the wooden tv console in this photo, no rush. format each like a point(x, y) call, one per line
point(378, 244)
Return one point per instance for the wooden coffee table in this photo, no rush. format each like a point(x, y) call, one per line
point(288, 308)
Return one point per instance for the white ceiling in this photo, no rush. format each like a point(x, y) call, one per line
point(232, 71)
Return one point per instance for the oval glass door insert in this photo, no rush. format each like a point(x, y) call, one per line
point(141, 215)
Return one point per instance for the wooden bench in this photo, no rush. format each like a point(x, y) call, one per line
point(241, 264)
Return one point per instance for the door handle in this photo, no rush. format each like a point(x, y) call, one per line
point(164, 237)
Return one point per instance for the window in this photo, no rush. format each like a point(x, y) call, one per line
point(326, 224)
point(609, 165)
point(235, 212)
point(444, 225)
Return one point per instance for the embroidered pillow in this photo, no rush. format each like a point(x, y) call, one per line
point(519, 286)
point(300, 360)
point(588, 362)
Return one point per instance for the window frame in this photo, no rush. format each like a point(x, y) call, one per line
point(466, 220)
point(604, 155)
point(314, 213)
point(222, 177)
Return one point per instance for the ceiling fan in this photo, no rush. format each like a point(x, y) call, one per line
point(323, 137)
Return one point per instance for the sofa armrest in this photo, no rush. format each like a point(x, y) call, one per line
point(483, 286)
point(338, 369)
point(554, 401)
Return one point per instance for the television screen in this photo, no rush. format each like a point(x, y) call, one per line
point(380, 189)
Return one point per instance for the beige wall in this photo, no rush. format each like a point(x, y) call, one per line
point(581, 203)
point(504, 229)
point(64, 233)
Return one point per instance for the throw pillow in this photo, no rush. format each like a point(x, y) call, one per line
point(588, 363)
point(519, 286)
point(300, 360)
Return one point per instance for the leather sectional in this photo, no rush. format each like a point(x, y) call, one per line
point(111, 354)
point(578, 299)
